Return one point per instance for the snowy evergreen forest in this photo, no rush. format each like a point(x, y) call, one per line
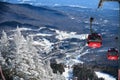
point(20, 59)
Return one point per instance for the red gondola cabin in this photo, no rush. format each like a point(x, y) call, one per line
point(94, 40)
point(112, 54)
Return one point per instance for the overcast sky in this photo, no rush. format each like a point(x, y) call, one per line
point(85, 3)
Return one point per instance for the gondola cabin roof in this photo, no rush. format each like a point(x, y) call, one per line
point(112, 54)
point(94, 40)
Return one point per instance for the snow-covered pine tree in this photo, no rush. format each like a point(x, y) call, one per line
point(36, 66)
point(5, 54)
point(4, 44)
point(48, 70)
point(19, 62)
point(5, 49)
point(27, 64)
point(2, 60)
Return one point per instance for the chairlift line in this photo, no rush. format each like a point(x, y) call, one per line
point(91, 20)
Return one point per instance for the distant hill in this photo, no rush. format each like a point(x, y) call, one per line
point(17, 14)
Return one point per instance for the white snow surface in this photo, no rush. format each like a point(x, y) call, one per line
point(78, 6)
point(41, 34)
point(45, 45)
point(23, 29)
point(61, 35)
point(68, 73)
point(104, 75)
point(44, 42)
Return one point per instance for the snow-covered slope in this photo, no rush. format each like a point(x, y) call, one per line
point(105, 76)
point(64, 35)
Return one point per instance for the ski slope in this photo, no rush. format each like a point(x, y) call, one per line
point(104, 75)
